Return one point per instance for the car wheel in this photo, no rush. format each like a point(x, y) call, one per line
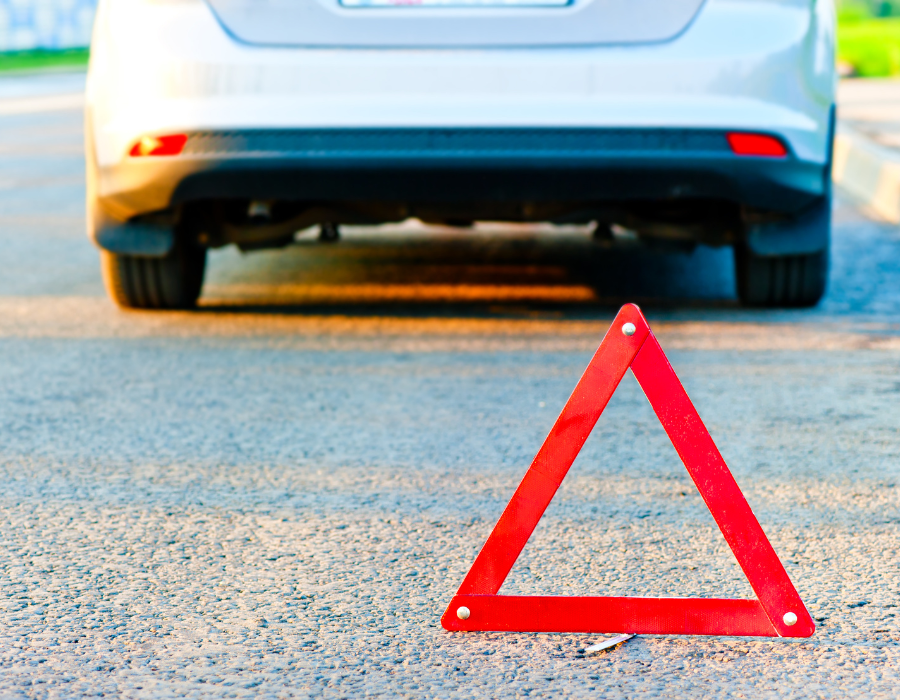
point(780, 280)
point(172, 282)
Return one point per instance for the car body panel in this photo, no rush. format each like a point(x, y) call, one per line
point(329, 24)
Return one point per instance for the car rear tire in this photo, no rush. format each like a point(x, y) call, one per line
point(781, 280)
point(172, 282)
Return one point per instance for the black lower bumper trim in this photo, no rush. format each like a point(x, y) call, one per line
point(460, 166)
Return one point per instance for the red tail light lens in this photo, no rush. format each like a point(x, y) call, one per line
point(762, 145)
point(170, 145)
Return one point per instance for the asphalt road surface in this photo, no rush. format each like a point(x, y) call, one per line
point(277, 495)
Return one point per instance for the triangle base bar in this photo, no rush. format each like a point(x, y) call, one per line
point(632, 615)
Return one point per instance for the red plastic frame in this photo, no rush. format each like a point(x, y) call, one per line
point(769, 616)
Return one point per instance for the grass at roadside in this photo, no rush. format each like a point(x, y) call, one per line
point(869, 37)
point(871, 46)
point(40, 58)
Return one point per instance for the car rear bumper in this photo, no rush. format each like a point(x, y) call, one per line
point(484, 166)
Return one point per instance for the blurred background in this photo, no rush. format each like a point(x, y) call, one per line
point(869, 38)
point(44, 33)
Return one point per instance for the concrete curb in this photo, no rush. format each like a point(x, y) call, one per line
point(868, 173)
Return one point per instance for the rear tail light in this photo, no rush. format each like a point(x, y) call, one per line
point(170, 145)
point(762, 145)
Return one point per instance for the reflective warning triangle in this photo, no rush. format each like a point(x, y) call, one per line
point(778, 610)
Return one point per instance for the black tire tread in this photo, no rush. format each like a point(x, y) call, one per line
point(173, 282)
point(788, 280)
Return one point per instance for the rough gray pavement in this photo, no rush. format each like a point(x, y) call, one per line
point(277, 495)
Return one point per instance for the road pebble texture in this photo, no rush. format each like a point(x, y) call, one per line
point(277, 495)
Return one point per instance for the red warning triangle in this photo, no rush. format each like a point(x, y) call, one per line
point(778, 610)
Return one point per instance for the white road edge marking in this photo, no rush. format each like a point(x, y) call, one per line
point(608, 643)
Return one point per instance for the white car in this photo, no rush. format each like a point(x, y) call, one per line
point(216, 122)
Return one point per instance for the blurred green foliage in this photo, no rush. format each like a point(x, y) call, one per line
point(869, 37)
point(42, 58)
